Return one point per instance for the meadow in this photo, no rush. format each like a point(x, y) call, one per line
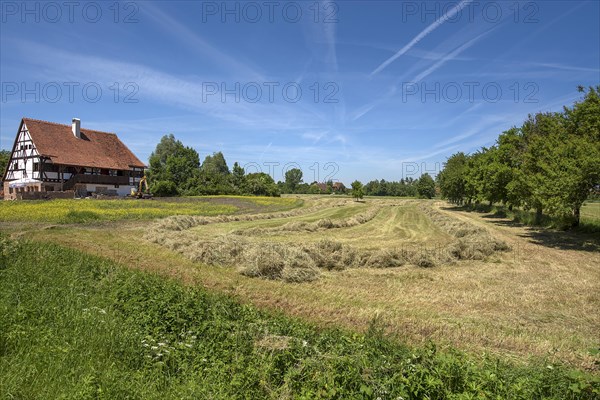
point(503, 311)
point(99, 330)
point(90, 210)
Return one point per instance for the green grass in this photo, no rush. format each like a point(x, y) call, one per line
point(91, 210)
point(589, 218)
point(78, 326)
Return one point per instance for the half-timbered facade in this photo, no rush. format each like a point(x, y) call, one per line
point(51, 157)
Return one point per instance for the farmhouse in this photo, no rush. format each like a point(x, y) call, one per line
point(50, 157)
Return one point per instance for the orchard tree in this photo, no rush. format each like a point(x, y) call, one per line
point(571, 159)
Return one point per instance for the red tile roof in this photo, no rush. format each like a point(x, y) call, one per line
point(95, 149)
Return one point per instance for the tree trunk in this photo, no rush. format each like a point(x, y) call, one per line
point(576, 216)
point(538, 215)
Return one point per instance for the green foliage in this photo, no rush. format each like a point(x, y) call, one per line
point(426, 186)
point(175, 170)
point(357, 190)
point(215, 165)
point(4, 158)
point(452, 180)
point(550, 164)
point(173, 162)
point(97, 330)
point(238, 178)
point(163, 188)
point(403, 188)
point(293, 178)
point(261, 184)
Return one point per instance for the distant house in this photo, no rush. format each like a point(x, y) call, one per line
point(51, 157)
point(322, 187)
point(339, 187)
point(336, 187)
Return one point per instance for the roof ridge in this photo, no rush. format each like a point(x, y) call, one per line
point(56, 123)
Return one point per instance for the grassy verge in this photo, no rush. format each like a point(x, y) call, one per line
point(79, 326)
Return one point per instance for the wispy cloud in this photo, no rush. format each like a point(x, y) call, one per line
point(182, 92)
point(563, 67)
point(436, 24)
point(198, 44)
point(452, 55)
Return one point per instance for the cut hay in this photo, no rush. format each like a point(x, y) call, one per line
point(248, 250)
point(322, 224)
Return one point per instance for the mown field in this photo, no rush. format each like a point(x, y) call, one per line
point(98, 330)
point(499, 310)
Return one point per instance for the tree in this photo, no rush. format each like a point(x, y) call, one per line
point(261, 184)
point(164, 188)
point(293, 178)
point(173, 162)
point(215, 165)
point(550, 164)
point(357, 190)
point(238, 178)
point(4, 158)
point(426, 186)
point(571, 158)
point(452, 178)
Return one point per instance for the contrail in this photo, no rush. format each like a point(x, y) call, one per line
point(421, 35)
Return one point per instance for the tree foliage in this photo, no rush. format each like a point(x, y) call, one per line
point(176, 170)
point(550, 164)
point(172, 163)
point(357, 190)
point(293, 178)
point(426, 186)
point(4, 158)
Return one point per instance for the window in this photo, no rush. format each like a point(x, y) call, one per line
point(10, 190)
point(16, 165)
point(36, 167)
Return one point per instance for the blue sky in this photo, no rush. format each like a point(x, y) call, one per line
point(344, 90)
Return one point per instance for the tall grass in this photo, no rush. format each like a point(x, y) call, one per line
point(78, 326)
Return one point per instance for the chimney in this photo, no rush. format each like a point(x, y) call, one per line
point(76, 128)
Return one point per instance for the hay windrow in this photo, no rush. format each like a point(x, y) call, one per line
point(183, 222)
point(322, 224)
point(303, 262)
point(473, 242)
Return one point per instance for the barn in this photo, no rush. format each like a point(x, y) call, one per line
point(48, 157)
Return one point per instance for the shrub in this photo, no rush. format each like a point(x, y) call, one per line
point(163, 188)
